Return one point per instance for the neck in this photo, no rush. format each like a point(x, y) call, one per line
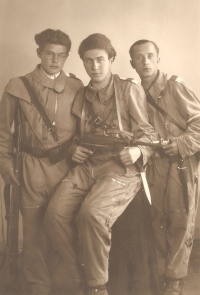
point(102, 84)
point(148, 81)
point(51, 76)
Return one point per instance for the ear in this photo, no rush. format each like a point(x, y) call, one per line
point(132, 64)
point(158, 59)
point(38, 52)
point(112, 59)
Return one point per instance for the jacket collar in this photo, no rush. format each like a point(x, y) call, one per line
point(103, 94)
point(58, 84)
point(159, 85)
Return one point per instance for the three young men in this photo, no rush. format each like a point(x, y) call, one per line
point(174, 195)
point(39, 176)
point(110, 111)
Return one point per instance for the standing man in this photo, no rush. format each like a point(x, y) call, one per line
point(94, 194)
point(41, 170)
point(174, 196)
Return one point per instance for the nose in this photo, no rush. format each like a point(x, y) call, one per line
point(55, 58)
point(95, 65)
point(146, 60)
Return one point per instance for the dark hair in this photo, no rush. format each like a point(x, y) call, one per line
point(143, 41)
point(97, 41)
point(50, 36)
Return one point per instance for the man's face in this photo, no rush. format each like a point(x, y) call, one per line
point(98, 66)
point(53, 57)
point(145, 60)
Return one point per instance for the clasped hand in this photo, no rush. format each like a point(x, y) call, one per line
point(129, 155)
point(171, 149)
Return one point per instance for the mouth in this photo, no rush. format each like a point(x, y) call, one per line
point(147, 69)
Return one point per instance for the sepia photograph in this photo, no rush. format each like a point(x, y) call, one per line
point(100, 147)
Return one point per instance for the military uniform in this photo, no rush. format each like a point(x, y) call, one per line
point(95, 193)
point(173, 227)
point(39, 177)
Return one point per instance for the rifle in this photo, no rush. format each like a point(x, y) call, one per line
point(12, 216)
point(102, 142)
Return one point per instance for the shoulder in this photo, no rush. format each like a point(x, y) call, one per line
point(176, 82)
point(127, 83)
point(15, 87)
point(175, 78)
point(73, 80)
point(127, 80)
point(72, 76)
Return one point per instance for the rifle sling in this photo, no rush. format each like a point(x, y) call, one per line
point(39, 107)
point(151, 101)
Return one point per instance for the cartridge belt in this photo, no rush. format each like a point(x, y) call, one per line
point(54, 154)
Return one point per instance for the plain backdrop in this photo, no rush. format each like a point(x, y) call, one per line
point(173, 24)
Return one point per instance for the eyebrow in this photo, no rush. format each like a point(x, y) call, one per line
point(62, 52)
point(94, 58)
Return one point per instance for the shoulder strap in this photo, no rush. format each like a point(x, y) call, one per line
point(151, 101)
point(118, 92)
point(39, 107)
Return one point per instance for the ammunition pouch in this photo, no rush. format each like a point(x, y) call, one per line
point(54, 155)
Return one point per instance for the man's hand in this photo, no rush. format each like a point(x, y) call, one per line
point(171, 149)
point(129, 155)
point(80, 154)
point(10, 178)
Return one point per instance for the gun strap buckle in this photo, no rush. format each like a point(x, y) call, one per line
point(97, 121)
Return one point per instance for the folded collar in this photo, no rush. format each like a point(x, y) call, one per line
point(57, 84)
point(103, 94)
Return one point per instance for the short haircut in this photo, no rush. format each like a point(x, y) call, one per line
point(50, 36)
point(143, 41)
point(97, 41)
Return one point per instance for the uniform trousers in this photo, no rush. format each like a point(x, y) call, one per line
point(173, 227)
point(81, 213)
point(38, 183)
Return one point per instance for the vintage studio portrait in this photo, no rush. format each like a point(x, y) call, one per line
point(100, 147)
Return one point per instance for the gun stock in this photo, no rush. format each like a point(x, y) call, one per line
point(13, 220)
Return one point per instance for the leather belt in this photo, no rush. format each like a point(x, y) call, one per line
point(39, 153)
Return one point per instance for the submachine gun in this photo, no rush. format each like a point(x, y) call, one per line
point(102, 142)
point(12, 197)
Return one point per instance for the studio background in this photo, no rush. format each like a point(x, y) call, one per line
point(173, 24)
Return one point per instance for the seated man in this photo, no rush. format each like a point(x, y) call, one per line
point(174, 111)
point(94, 194)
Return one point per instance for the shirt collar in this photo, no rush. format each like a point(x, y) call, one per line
point(103, 94)
point(53, 77)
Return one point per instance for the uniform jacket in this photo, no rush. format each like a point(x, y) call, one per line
point(133, 109)
point(55, 95)
point(178, 100)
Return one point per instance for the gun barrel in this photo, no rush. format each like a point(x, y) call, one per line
point(156, 143)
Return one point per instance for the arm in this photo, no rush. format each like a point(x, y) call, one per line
point(140, 127)
point(188, 143)
point(8, 106)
